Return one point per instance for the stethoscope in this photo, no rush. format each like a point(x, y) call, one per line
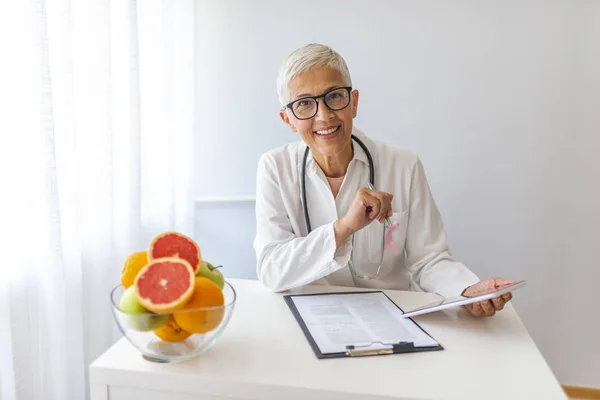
point(372, 183)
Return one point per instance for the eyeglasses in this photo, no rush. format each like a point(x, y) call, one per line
point(307, 107)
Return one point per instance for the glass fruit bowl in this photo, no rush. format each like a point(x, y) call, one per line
point(160, 338)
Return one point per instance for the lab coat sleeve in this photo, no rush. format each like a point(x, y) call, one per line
point(286, 260)
point(428, 257)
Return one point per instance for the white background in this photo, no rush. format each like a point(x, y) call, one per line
point(501, 99)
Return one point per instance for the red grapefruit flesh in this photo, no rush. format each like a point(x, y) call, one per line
point(165, 284)
point(174, 244)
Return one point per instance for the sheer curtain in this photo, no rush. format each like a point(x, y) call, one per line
point(96, 139)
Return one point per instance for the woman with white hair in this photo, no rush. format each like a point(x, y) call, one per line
point(340, 208)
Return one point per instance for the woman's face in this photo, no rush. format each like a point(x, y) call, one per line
point(328, 133)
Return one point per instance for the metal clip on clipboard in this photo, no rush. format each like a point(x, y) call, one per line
point(358, 351)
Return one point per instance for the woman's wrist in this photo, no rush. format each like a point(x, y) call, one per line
point(342, 232)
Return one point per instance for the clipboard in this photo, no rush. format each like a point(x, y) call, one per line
point(355, 350)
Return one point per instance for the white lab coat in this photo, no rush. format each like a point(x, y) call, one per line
point(287, 257)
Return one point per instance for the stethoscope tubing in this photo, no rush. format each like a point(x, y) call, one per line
point(372, 184)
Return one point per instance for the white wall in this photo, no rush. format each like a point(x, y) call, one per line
point(500, 99)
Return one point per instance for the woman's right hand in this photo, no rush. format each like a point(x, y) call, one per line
point(367, 206)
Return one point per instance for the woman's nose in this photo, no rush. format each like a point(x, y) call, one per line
point(324, 113)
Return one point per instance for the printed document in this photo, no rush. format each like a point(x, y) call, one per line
point(371, 320)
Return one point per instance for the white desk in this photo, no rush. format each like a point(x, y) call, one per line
point(263, 354)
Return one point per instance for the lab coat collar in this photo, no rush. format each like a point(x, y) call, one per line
point(359, 153)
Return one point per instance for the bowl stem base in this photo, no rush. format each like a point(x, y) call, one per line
point(153, 359)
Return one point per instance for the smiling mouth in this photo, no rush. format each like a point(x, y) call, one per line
point(328, 131)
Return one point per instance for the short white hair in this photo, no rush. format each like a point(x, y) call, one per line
point(305, 59)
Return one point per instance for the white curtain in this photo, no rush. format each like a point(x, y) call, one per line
point(96, 142)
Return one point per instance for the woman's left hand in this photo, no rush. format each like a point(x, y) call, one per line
point(487, 308)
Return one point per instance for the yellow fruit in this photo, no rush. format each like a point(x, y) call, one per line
point(171, 332)
point(133, 264)
point(206, 294)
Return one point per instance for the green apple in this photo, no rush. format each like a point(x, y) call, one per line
point(135, 316)
point(209, 271)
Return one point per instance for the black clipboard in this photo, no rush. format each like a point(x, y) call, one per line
point(353, 351)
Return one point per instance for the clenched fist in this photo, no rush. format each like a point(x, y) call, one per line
point(367, 206)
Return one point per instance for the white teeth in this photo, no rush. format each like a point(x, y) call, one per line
point(328, 131)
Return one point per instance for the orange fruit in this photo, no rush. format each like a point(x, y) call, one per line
point(132, 266)
point(171, 332)
point(206, 294)
point(165, 285)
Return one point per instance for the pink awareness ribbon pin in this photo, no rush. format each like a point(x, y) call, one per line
point(388, 237)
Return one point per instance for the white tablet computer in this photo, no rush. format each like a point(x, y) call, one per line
point(443, 304)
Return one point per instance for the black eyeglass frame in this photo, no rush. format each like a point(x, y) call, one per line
point(316, 98)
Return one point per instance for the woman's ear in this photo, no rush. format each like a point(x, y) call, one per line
point(284, 117)
point(354, 103)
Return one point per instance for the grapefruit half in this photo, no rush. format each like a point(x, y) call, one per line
point(165, 284)
point(175, 244)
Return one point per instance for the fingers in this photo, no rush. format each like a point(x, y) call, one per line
point(379, 204)
point(367, 206)
point(500, 282)
point(482, 309)
point(488, 308)
point(479, 288)
point(475, 309)
point(372, 204)
point(486, 286)
point(498, 303)
point(385, 204)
